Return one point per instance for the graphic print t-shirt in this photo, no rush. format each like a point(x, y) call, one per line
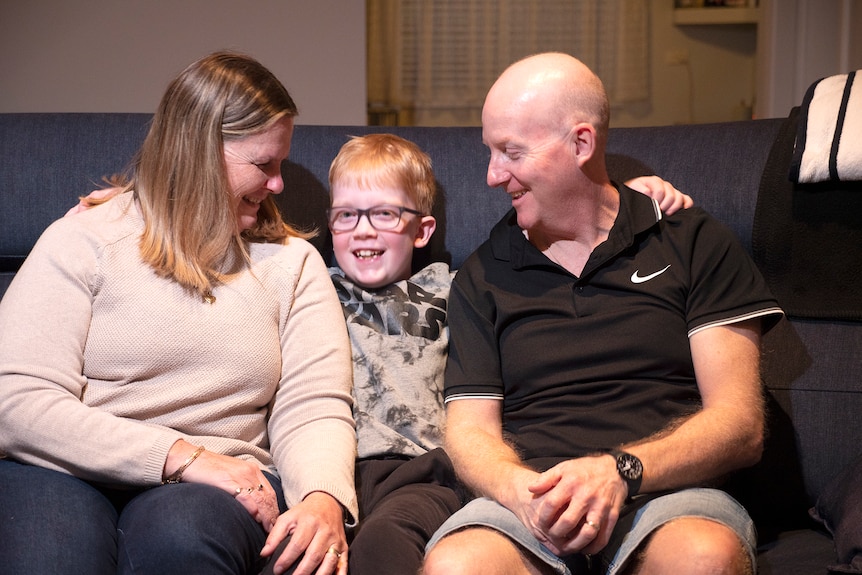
point(399, 337)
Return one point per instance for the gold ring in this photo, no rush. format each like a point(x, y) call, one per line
point(334, 551)
point(593, 525)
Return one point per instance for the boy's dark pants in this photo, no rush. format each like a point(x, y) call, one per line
point(402, 502)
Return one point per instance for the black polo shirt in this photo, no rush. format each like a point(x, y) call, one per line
point(591, 362)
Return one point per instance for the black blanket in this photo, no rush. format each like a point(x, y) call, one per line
point(807, 238)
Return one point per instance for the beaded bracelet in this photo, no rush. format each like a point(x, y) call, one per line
point(177, 475)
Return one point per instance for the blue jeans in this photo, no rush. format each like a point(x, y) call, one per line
point(51, 522)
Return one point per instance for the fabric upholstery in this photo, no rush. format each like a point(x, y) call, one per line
point(811, 369)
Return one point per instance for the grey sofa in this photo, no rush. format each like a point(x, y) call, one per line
point(811, 366)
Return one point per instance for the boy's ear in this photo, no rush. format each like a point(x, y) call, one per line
point(426, 228)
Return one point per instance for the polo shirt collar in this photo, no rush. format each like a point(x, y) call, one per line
point(638, 213)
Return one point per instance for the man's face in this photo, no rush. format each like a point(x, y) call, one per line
point(531, 159)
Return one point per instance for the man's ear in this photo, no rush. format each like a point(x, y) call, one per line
point(584, 142)
point(426, 228)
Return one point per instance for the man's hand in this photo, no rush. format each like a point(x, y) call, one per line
point(576, 504)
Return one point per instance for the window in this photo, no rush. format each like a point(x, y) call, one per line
point(431, 63)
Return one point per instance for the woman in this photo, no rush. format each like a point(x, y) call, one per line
point(174, 366)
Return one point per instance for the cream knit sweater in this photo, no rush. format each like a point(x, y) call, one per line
point(104, 365)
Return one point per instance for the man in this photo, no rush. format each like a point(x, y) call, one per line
point(604, 361)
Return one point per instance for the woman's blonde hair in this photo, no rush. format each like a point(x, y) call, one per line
point(180, 176)
point(386, 159)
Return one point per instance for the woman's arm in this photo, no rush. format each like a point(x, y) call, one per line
point(45, 319)
point(311, 427)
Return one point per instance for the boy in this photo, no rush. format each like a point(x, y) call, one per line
point(383, 189)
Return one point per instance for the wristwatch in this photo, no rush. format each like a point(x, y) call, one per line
point(630, 469)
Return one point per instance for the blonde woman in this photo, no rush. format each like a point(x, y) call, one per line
point(174, 366)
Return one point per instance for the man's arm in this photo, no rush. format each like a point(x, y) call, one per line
point(485, 462)
point(727, 434)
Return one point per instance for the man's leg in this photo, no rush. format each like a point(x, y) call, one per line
point(485, 537)
point(693, 545)
point(482, 550)
point(695, 529)
point(687, 532)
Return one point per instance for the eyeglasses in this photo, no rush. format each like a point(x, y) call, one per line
point(380, 217)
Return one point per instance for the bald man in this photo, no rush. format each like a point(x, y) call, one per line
point(604, 360)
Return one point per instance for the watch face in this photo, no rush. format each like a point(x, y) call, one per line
point(629, 466)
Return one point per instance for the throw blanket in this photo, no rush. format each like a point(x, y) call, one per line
point(807, 238)
point(829, 139)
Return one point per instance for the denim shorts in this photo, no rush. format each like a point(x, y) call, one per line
point(706, 503)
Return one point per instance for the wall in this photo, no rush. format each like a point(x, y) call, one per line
point(801, 41)
point(711, 73)
point(698, 73)
point(119, 55)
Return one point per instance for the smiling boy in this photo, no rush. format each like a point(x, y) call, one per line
point(383, 189)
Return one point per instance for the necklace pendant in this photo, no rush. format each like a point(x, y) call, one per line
point(209, 297)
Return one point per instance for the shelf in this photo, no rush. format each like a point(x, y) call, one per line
point(715, 15)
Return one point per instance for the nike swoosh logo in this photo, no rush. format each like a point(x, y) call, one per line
point(636, 279)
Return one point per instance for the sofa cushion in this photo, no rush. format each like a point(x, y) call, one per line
point(801, 552)
point(839, 508)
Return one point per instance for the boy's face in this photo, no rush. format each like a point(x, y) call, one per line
point(374, 258)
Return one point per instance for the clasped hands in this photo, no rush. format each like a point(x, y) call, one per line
point(574, 506)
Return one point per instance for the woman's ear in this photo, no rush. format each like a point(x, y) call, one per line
point(427, 225)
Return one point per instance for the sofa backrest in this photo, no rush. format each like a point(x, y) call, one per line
point(48, 161)
point(811, 367)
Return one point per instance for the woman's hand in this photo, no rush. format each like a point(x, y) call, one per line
point(242, 479)
point(668, 197)
point(317, 539)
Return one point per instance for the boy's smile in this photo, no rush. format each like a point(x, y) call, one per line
point(374, 258)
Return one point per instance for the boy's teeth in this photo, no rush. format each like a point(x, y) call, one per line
point(367, 253)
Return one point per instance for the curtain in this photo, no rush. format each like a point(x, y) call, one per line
point(432, 62)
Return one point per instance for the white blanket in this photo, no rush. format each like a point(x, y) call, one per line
point(829, 142)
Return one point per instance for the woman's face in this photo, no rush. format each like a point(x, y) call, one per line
point(254, 169)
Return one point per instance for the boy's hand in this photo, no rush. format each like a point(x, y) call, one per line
point(668, 197)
